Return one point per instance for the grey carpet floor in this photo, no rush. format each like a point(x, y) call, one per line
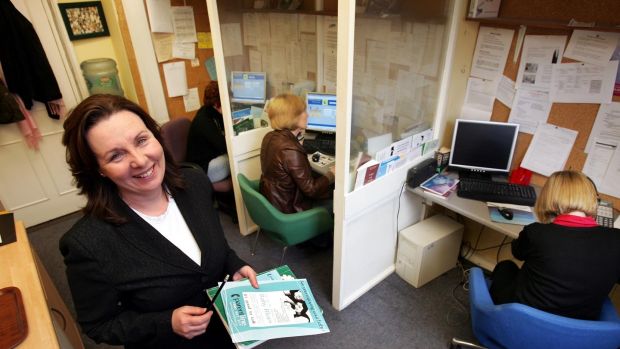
point(391, 315)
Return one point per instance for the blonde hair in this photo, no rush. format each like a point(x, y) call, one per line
point(565, 192)
point(284, 111)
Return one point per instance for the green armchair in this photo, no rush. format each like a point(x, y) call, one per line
point(288, 229)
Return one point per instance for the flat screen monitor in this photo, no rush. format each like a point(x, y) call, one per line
point(321, 108)
point(483, 145)
point(248, 87)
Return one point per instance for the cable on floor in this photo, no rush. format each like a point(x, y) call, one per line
point(462, 312)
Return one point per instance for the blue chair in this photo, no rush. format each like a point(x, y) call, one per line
point(515, 325)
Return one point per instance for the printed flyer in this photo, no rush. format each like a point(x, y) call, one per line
point(279, 308)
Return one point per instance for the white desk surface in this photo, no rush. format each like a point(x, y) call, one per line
point(472, 209)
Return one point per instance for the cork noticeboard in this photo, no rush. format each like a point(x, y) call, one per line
point(196, 76)
point(575, 116)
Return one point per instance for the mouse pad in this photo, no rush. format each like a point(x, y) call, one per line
point(520, 217)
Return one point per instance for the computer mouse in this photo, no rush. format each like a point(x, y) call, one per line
point(506, 213)
point(316, 157)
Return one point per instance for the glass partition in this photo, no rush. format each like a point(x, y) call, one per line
point(398, 62)
point(280, 46)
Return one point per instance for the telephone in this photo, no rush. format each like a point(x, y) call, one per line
point(605, 214)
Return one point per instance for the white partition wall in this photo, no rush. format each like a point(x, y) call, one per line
point(391, 73)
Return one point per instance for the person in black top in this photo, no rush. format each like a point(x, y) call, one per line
point(206, 145)
point(570, 262)
point(150, 241)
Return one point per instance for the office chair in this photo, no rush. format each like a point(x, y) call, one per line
point(288, 229)
point(174, 134)
point(515, 325)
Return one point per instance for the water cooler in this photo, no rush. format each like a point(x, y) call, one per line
point(101, 76)
point(428, 249)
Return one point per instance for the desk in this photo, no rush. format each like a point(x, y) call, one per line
point(472, 209)
point(20, 268)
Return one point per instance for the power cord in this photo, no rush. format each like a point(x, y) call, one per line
point(402, 189)
point(500, 249)
point(474, 249)
point(462, 311)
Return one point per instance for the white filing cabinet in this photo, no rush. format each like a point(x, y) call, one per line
point(428, 249)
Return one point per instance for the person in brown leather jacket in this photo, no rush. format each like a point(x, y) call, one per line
point(287, 180)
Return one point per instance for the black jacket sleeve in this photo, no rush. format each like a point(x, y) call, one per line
point(99, 304)
point(521, 245)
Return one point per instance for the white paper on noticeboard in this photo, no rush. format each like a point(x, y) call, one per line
point(491, 52)
point(549, 149)
point(160, 16)
point(176, 80)
point(591, 46)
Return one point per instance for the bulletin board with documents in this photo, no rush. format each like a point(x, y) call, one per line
point(552, 68)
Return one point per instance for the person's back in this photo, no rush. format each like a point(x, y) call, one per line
point(570, 262)
point(205, 140)
point(206, 144)
point(286, 180)
point(568, 271)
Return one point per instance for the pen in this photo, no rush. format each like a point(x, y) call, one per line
point(210, 306)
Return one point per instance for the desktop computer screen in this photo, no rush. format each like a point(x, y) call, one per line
point(483, 145)
point(248, 87)
point(321, 108)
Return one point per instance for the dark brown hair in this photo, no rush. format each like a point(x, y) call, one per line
point(212, 95)
point(100, 191)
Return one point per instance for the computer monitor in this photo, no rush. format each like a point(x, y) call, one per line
point(321, 108)
point(483, 146)
point(248, 87)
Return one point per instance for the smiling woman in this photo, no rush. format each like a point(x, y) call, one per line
point(143, 212)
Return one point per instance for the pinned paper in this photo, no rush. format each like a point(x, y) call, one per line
point(176, 81)
point(160, 16)
point(210, 66)
point(549, 149)
point(191, 101)
point(162, 42)
point(205, 40)
point(184, 26)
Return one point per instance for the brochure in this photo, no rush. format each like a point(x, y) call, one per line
point(280, 273)
point(279, 308)
point(513, 214)
point(439, 184)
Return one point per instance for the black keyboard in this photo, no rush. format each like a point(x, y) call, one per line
point(506, 193)
point(323, 145)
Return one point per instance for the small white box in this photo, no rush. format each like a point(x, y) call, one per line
point(483, 8)
point(428, 249)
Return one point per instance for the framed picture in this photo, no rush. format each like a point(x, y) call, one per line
point(84, 20)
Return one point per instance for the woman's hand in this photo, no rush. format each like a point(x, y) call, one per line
point(331, 174)
point(189, 322)
point(246, 272)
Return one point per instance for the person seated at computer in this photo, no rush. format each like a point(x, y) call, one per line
point(287, 180)
point(570, 262)
point(206, 145)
